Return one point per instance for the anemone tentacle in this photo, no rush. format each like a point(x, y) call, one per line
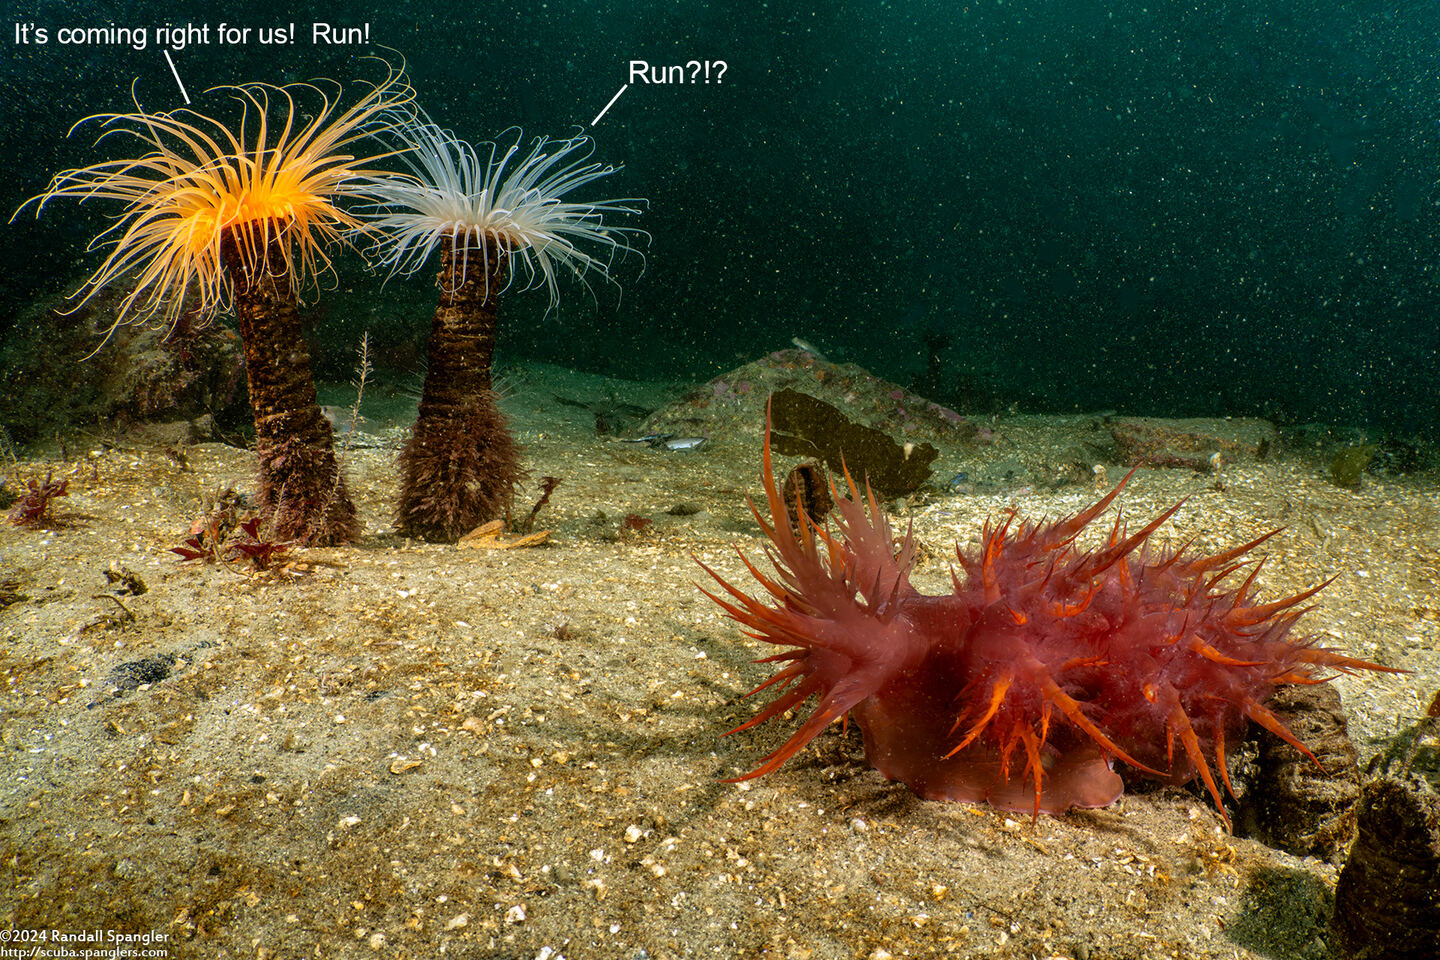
point(202, 180)
point(510, 200)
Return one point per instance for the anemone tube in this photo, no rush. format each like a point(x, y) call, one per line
point(460, 463)
point(302, 492)
point(493, 221)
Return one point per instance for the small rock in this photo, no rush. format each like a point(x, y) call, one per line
point(123, 581)
point(135, 673)
point(1192, 443)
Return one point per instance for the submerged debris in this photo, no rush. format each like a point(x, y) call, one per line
point(492, 536)
point(807, 427)
point(10, 592)
point(124, 581)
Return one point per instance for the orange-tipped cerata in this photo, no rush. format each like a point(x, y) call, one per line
point(1045, 666)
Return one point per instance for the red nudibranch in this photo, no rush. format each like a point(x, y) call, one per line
point(1044, 665)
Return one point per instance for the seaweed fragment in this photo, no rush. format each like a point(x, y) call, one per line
point(808, 427)
point(256, 548)
point(547, 487)
point(635, 525)
point(33, 507)
point(221, 535)
point(212, 530)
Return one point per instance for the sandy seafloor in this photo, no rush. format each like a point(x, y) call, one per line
point(423, 751)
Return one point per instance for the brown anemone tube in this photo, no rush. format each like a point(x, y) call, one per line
point(302, 494)
point(460, 465)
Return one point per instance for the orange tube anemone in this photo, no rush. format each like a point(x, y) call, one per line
point(217, 217)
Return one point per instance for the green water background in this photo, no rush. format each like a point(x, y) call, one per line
point(1198, 209)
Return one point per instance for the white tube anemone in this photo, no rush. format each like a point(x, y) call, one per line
point(510, 199)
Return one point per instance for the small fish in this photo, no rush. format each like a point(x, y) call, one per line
point(809, 348)
point(667, 441)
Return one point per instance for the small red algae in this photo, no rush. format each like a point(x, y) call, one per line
point(1045, 665)
point(33, 507)
point(635, 524)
